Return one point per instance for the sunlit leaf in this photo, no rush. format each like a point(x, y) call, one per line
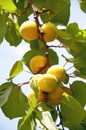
point(16, 104)
point(24, 122)
point(72, 29)
point(29, 124)
point(72, 111)
point(3, 26)
point(8, 5)
point(16, 69)
point(5, 90)
point(46, 120)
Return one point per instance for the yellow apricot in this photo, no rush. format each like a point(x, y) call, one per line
point(47, 83)
point(38, 63)
point(56, 96)
point(50, 31)
point(31, 94)
point(29, 30)
point(41, 96)
point(57, 71)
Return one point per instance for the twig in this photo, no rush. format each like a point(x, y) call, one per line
point(24, 83)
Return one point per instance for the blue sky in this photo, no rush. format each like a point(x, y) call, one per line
point(9, 55)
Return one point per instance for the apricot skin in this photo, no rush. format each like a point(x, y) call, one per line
point(56, 96)
point(41, 96)
point(38, 63)
point(47, 83)
point(57, 71)
point(29, 30)
point(50, 31)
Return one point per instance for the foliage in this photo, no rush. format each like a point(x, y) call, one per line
point(13, 101)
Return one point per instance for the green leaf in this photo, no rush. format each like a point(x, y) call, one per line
point(62, 13)
point(80, 127)
point(8, 5)
point(24, 122)
point(72, 111)
point(20, 3)
point(12, 34)
point(16, 104)
point(59, 11)
point(84, 122)
point(28, 125)
point(34, 45)
point(5, 90)
point(79, 91)
point(16, 69)
point(3, 26)
point(53, 57)
point(83, 5)
point(72, 29)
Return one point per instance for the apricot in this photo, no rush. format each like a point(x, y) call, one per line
point(41, 96)
point(56, 96)
point(47, 83)
point(38, 63)
point(57, 71)
point(35, 77)
point(50, 31)
point(29, 30)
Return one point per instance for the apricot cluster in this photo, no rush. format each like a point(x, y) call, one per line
point(49, 90)
point(30, 31)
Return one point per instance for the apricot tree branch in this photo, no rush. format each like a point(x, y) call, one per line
point(36, 15)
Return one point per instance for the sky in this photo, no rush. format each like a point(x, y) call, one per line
point(9, 55)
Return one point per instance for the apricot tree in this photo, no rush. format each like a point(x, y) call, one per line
point(53, 96)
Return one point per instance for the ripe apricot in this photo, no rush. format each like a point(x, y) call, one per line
point(38, 63)
point(57, 71)
point(29, 30)
point(47, 83)
point(50, 31)
point(41, 96)
point(56, 96)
